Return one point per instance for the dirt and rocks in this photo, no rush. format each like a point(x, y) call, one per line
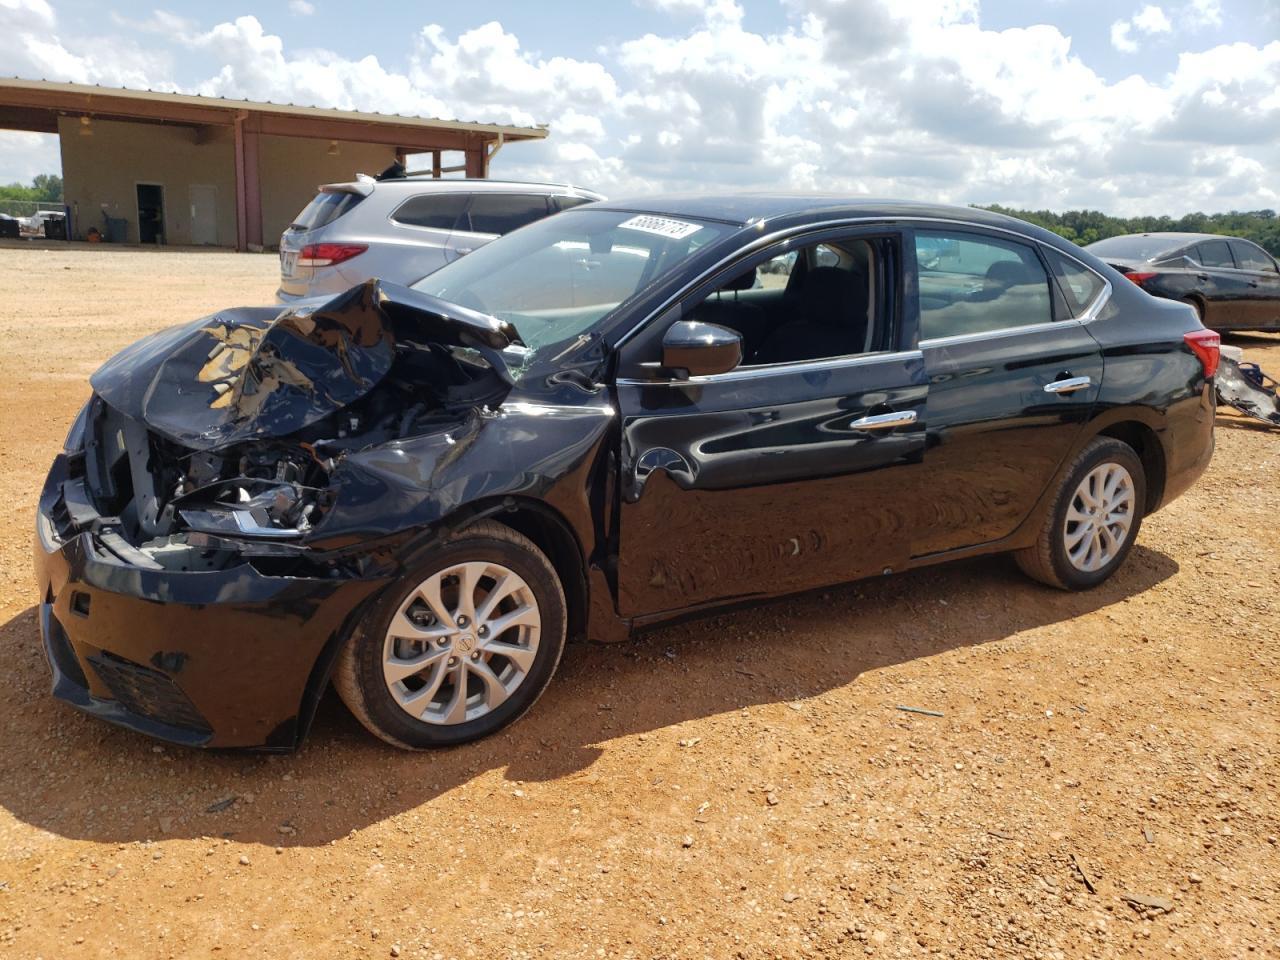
point(1104, 780)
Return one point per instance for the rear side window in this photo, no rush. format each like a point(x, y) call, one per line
point(973, 284)
point(1214, 253)
point(1250, 257)
point(324, 209)
point(1080, 285)
point(439, 211)
point(503, 212)
point(565, 203)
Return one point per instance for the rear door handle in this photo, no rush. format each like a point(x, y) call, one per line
point(1069, 385)
point(885, 421)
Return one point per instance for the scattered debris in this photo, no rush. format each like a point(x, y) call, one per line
point(1244, 387)
point(1002, 835)
point(790, 897)
point(1148, 835)
point(1088, 883)
point(691, 742)
point(1148, 906)
point(927, 713)
point(687, 841)
point(219, 805)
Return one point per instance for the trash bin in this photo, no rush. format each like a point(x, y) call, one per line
point(55, 228)
point(117, 229)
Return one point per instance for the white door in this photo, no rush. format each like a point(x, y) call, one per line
point(204, 214)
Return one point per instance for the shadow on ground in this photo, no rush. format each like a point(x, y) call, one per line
point(78, 777)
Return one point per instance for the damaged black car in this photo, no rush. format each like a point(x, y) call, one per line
point(610, 418)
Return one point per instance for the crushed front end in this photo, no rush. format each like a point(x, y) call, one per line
point(187, 589)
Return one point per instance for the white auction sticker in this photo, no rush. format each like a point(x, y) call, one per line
point(662, 226)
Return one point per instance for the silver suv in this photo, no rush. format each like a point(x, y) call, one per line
point(403, 228)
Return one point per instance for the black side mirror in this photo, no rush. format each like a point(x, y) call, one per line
point(694, 349)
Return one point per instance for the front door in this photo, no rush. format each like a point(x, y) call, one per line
point(792, 471)
point(1260, 273)
point(1013, 377)
point(204, 214)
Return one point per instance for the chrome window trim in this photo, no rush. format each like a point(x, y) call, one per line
point(771, 369)
point(1002, 332)
point(1094, 309)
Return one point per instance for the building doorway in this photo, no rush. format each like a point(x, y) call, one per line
point(204, 214)
point(150, 213)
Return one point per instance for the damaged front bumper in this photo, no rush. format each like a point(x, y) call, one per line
point(227, 657)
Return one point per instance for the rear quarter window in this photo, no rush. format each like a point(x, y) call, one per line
point(438, 211)
point(324, 209)
point(1250, 257)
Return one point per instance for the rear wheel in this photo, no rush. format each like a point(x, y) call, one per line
point(464, 647)
point(1096, 515)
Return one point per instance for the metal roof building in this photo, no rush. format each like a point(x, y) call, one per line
point(187, 169)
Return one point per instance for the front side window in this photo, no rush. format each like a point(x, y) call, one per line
point(813, 303)
point(501, 213)
point(438, 211)
point(975, 284)
point(1215, 253)
point(1250, 257)
point(561, 276)
point(1079, 284)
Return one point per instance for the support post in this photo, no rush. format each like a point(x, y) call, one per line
point(248, 185)
point(477, 162)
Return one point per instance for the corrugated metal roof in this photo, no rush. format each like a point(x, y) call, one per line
point(509, 132)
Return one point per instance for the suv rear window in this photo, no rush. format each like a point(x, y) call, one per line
point(324, 209)
point(439, 211)
point(503, 212)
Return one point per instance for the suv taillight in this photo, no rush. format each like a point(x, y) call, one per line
point(1139, 278)
point(327, 254)
point(1204, 344)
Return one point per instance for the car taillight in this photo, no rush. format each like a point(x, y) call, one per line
point(327, 254)
point(1204, 344)
point(1139, 278)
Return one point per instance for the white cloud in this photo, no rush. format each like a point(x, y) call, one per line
point(301, 8)
point(1120, 37)
point(1197, 14)
point(855, 96)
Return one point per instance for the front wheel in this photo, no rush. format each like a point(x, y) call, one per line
point(463, 647)
point(1096, 515)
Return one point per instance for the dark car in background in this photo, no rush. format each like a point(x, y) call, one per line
point(1233, 284)
point(595, 424)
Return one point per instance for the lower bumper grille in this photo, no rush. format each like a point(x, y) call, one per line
point(147, 692)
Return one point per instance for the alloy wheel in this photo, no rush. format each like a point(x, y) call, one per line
point(461, 643)
point(1099, 517)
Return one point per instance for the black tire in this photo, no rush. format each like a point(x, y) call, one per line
point(358, 673)
point(1047, 560)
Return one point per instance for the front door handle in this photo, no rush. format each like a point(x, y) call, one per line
point(1069, 385)
point(885, 421)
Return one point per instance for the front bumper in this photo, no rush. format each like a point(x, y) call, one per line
point(218, 658)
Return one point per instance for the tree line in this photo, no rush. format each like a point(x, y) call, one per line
point(1086, 226)
point(45, 188)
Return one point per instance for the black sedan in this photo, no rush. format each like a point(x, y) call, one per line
point(1233, 284)
point(610, 418)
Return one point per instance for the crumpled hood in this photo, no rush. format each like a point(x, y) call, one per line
point(258, 372)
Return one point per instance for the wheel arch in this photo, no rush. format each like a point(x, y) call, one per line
point(1144, 441)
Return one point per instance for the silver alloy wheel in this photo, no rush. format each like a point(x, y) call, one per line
point(461, 643)
point(1099, 517)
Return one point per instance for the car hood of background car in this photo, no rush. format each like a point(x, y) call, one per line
point(262, 372)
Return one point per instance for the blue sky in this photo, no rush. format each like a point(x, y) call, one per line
point(1130, 107)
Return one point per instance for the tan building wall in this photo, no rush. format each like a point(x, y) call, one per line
point(101, 172)
point(291, 168)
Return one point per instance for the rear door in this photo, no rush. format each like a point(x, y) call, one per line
point(423, 228)
point(1013, 377)
point(772, 477)
point(1227, 293)
point(1259, 271)
point(491, 215)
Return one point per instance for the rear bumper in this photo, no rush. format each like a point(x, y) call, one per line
point(221, 658)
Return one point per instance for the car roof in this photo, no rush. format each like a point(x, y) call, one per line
point(455, 184)
point(742, 209)
point(1174, 237)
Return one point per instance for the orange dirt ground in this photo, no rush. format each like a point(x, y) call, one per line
point(736, 787)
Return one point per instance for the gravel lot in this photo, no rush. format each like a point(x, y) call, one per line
point(735, 787)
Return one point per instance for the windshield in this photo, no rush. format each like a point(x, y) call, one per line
point(1134, 248)
point(555, 279)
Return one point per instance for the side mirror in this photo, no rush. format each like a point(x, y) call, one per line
point(694, 349)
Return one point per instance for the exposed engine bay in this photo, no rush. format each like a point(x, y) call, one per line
point(185, 472)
